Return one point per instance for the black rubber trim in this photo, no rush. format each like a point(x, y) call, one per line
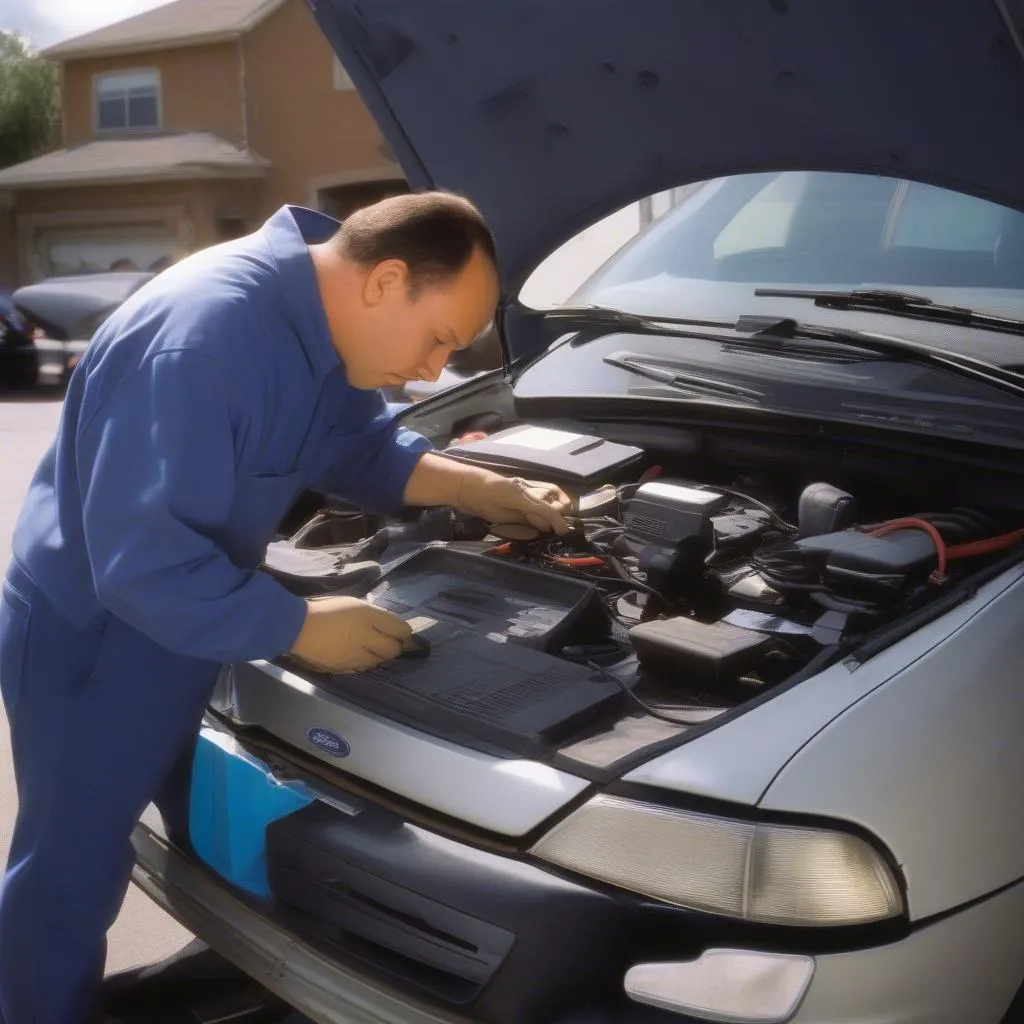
point(942, 915)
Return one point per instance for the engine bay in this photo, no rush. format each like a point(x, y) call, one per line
point(672, 601)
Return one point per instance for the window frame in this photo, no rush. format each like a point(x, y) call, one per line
point(99, 77)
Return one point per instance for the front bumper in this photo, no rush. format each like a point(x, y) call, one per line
point(966, 966)
point(302, 976)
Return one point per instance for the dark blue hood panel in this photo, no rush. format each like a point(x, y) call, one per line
point(551, 113)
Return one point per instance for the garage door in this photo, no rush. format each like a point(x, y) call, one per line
point(93, 249)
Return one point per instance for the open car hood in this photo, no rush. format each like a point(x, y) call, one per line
point(550, 115)
point(68, 308)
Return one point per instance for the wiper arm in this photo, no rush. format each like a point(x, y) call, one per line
point(677, 377)
point(913, 307)
point(776, 329)
point(591, 322)
point(600, 320)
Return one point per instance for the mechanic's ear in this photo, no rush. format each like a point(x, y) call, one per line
point(386, 281)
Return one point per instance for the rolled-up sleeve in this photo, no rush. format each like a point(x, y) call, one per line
point(157, 469)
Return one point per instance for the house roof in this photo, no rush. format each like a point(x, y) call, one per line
point(149, 158)
point(180, 23)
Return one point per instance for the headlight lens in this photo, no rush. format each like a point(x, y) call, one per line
point(774, 874)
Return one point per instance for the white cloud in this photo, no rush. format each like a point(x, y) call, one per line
point(49, 21)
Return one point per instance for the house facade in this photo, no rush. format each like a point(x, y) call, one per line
point(186, 126)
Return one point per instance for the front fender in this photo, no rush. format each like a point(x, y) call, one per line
point(932, 762)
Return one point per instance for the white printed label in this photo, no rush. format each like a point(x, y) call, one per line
point(539, 438)
point(418, 623)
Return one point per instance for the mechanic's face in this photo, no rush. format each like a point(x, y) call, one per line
point(407, 337)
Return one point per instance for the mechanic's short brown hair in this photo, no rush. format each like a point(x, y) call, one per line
point(433, 233)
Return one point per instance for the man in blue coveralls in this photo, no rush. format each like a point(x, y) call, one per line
point(201, 409)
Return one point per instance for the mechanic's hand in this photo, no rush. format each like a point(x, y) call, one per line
point(517, 509)
point(344, 634)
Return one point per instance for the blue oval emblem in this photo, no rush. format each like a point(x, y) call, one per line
point(329, 742)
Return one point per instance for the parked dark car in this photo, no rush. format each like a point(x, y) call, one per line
point(19, 363)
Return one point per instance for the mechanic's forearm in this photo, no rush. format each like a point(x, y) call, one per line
point(440, 481)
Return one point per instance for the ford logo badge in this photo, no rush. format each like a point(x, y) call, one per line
point(329, 742)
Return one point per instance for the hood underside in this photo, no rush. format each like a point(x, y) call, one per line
point(550, 115)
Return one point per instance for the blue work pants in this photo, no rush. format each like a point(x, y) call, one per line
point(99, 720)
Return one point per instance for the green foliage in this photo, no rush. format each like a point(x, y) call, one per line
point(29, 102)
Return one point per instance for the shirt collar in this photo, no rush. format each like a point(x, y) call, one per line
point(288, 233)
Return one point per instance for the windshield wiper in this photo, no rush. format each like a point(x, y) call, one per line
point(680, 378)
point(913, 307)
point(781, 335)
point(770, 334)
point(592, 322)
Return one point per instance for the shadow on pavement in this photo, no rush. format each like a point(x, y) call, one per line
point(195, 986)
point(30, 396)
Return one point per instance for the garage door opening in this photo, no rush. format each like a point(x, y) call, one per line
point(97, 248)
point(341, 200)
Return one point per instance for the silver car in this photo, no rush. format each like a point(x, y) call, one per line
point(746, 745)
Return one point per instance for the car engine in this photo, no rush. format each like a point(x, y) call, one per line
point(671, 599)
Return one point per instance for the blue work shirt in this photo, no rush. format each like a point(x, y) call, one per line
point(200, 411)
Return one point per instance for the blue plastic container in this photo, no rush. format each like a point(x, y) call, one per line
point(233, 799)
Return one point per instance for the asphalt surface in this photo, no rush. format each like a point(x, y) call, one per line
point(143, 933)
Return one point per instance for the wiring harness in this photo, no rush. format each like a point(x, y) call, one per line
point(844, 573)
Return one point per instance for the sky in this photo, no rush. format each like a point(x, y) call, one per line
point(46, 22)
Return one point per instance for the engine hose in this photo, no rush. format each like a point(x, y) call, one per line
point(918, 524)
point(987, 546)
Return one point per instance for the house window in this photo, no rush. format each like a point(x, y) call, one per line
point(127, 101)
point(341, 78)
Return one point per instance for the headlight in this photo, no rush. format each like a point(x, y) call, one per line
point(775, 874)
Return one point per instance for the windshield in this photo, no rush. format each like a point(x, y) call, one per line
point(820, 229)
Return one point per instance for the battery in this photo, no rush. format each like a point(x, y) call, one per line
point(698, 653)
